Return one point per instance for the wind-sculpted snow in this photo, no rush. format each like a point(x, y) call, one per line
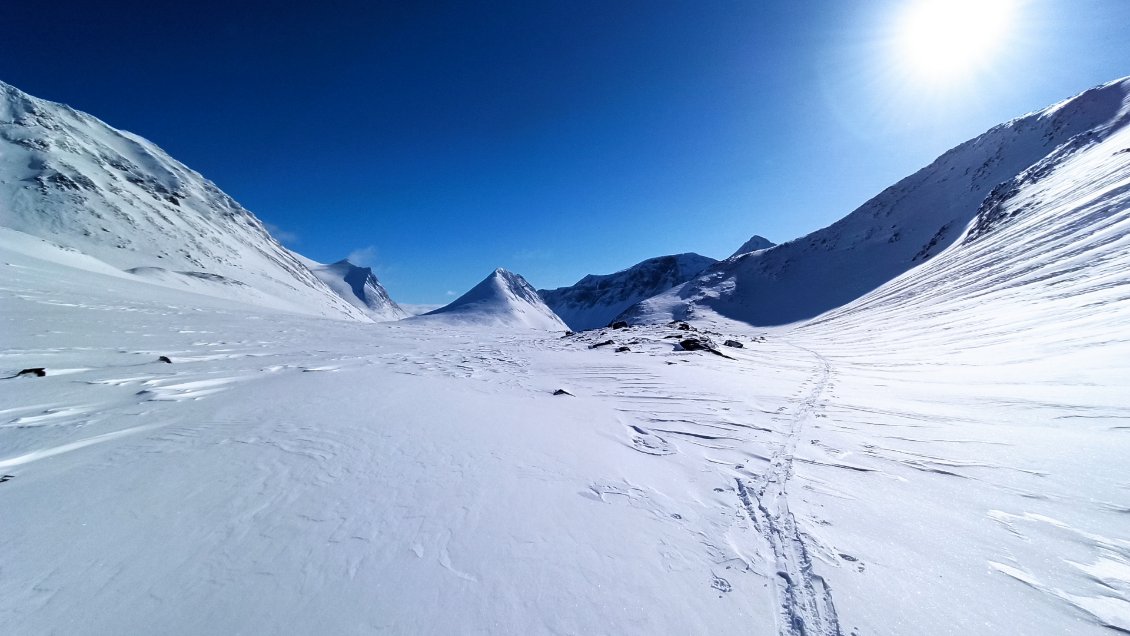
point(595, 300)
point(901, 228)
point(70, 179)
point(503, 299)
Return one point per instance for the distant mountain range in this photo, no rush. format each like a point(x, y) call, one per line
point(70, 179)
point(597, 299)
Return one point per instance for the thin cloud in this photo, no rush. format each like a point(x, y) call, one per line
point(285, 237)
point(364, 256)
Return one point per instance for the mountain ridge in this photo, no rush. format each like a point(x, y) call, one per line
point(900, 228)
point(596, 299)
point(70, 178)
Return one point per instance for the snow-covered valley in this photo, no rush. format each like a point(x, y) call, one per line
point(934, 443)
point(290, 474)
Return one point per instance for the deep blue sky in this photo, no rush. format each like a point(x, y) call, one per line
point(437, 141)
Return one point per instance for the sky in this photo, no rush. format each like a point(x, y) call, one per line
point(436, 141)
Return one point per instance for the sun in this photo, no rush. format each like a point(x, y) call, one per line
point(940, 41)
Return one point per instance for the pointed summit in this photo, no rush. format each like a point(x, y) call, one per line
point(756, 242)
point(501, 299)
point(358, 286)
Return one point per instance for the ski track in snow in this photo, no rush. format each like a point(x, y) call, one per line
point(804, 597)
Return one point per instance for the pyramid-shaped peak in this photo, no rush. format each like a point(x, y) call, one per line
point(756, 242)
point(503, 298)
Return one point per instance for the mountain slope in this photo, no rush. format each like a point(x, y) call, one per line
point(358, 286)
point(501, 299)
point(902, 227)
point(595, 300)
point(71, 179)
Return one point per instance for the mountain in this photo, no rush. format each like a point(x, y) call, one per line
point(68, 178)
point(358, 286)
point(501, 299)
point(756, 242)
point(595, 300)
point(904, 226)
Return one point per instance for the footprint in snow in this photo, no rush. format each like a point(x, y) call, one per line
point(720, 584)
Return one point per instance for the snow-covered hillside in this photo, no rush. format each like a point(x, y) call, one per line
point(358, 286)
point(503, 299)
point(755, 243)
point(903, 227)
point(595, 300)
point(69, 178)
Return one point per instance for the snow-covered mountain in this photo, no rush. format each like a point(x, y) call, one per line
point(901, 228)
point(358, 286)
point(69, 178)
point(595, 300)
point(755, 242)
point(501, 299)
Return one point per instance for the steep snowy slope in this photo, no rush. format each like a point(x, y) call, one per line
point(756, 242)
point(501, 299)
point(902, 227)
point(71, 179)
point(358, 286)
point(595, 300)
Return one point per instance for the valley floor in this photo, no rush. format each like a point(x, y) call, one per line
point(295, 475)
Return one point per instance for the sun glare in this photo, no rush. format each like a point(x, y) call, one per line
point(944, 40)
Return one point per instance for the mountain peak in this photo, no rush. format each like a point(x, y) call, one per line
point(503, 298)
point(756, 242)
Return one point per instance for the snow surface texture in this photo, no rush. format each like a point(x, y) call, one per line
point(945, 454)
point(755, 243)
point(358, 286)
point(594, 301)
point(503, 299)
point(904, 226)
point(67, 177)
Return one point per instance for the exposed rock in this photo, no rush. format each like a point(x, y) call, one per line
point(38, 372)
point(619, 324)
point(733, 343)
point(165, 359)
point(622, 349)
point(601, 344)
point(562, 392)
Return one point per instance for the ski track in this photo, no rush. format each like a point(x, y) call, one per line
point(805, 600)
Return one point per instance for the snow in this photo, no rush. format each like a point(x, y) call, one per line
point(502, 299)
point(596, 300)
point(942, 453)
